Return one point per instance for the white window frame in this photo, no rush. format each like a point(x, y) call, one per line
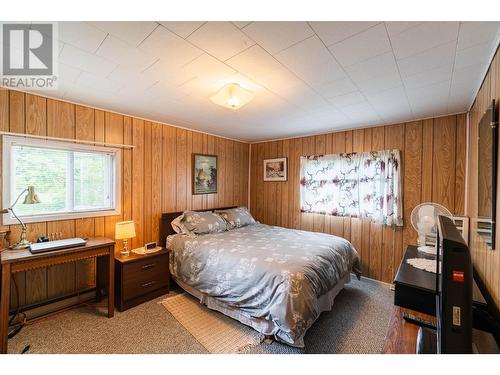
point(7, 185)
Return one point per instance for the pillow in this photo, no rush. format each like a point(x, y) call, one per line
point(178, 226)
point(237, 217)
point(203, 222)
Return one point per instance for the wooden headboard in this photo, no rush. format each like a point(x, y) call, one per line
point(166, 220)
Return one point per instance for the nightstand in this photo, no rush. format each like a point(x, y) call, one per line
point(140, 278)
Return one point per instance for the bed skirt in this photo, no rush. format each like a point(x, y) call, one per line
point(266, 327)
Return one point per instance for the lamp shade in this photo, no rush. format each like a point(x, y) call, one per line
point(31, 197)
point(124, 230)
point(232, 96)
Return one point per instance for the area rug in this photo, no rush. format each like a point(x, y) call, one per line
point(217, 333)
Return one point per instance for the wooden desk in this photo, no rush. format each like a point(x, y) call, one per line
point(13, 261)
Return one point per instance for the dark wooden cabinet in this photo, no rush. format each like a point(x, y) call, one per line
point(140, 278)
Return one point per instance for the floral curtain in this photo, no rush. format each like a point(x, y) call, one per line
point(364, 185)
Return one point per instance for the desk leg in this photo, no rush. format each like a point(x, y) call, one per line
point(4, 308)
point(111, 284)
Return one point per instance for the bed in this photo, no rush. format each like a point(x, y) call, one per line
point(274, 279)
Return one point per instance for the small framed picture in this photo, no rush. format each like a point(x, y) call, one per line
point(204, 174)
point(275, 169)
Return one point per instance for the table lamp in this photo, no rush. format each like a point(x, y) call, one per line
point(30, 198)
point(125, 230)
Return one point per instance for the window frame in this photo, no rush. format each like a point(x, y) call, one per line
point(8, 141)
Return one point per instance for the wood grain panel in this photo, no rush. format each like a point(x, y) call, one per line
point(379, 247)
point(486, 260)
point(156, 178)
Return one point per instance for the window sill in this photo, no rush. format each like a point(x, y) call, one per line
point(7, 219)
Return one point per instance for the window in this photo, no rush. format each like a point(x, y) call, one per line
point(71, 180)
point(364, 185)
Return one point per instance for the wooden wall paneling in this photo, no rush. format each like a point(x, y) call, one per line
point(99, 135)
point(156, 156)
point(17, 112)
point(211, 198)
point(245, 173)
point(197, 148)
point(147, 186)
point(412, 178)
point(189, 166)
point(460, 156)
point(272, 186)
point(427, 165)
point(156, 180)
point(220, 149)
point(138, 181)
point(169, 170)
point(443, 187)
point(284, 187)
point(113, 133)
point(228, 180)
point(294, 178)
point(181, 139)
point(376, 230)
point(262, 193)
point(127, 169)
point(61, 278)
point(392, 237)
point(36, 115)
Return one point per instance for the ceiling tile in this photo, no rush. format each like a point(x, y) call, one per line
point(397, 27)
point(334, 32)
point(362, 46)
point(132, 33)
point(171, 48)
point(182, 28)
point(114, 49)
point(377, 66)
point(132, 78)
point(276, 36)
point(241, 24)
point(68, 73)
point(220, 39)
point(99, 83)
point(473, 55)
point(428, 93)
point(312, 62)
point(472, 33)
point(81, 35)
point(380, 83)
point(335, 88)
point(431, 59)
point(423, 37)
point(429, 77)
point(85, 61)
point(254, 62)
point(206, 69)
point(348, 99)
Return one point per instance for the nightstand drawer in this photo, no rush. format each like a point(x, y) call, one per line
point(138, 288)
point(145, 270)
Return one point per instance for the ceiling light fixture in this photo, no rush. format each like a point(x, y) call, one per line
point(232, 96)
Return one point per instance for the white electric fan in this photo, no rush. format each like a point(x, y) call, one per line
point(424, 219)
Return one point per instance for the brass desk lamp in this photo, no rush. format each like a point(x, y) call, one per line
point(30, 198)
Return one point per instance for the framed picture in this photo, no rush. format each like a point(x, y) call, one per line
point(275, 169)
point(204, 174)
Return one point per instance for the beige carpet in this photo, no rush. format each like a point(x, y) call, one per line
point(357, 323)
point(217, 333)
